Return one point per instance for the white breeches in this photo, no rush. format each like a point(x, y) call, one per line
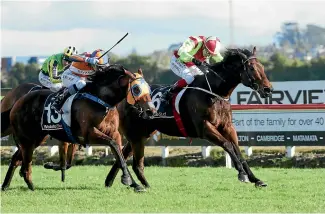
point(181, 70)
point(45, 81)
point(69, 79)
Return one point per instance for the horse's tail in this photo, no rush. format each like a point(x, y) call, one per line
point(5, 122)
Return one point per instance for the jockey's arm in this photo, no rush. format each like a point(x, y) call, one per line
point(76, 58)
point(53, 71)
point(184, 50)
point(217, 58)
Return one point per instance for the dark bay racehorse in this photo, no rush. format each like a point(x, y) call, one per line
point(67, 149)
point(205, 113)
point(204, 110)
point(94, 118)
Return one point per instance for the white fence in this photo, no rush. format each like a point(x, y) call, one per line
point(205, 151)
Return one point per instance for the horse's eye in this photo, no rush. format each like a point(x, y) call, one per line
point(136, 90)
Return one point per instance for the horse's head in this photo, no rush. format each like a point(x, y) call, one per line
point(139, 95)
point(250, 69)
point(115, 83)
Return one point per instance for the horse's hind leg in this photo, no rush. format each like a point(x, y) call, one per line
point(15, 162)
point(231, 134)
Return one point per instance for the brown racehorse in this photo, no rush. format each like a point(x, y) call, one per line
point(67, 149)
point(94, 118)
point(205, 111)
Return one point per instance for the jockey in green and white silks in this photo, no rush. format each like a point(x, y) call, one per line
point(193, 52)
point(53, 67)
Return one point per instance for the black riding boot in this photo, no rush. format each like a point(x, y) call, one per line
point(60, 98)
point(168, 94)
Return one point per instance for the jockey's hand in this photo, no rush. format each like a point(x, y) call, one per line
point(92, 60)
point(204, 63)
point(196, 62)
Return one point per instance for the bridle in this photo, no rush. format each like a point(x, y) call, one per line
point(247, 71)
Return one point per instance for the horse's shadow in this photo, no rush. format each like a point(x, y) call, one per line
point(22, 188)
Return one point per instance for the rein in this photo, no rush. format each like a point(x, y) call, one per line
point(210, 90)
point(215, 73)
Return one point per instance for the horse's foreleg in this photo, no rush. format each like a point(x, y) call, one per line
point(63, 149)
point(127, 152)
point(99, 137)
point(214, 136)
point(138, 161)
point(26, 170)
point(15, 162)
point(231, 135)
point(71, 152)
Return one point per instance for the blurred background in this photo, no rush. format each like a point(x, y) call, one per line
point(289, 35)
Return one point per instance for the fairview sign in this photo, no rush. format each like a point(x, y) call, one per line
point(297, 92)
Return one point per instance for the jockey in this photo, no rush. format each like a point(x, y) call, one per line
point(53, 66)
point(74, 78)
point(195, 51)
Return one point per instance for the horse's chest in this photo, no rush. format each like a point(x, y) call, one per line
point(219, 114)
point(108, 128)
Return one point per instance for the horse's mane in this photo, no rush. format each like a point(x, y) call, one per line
point(109, 74)
point(231, 55)
point(236, 52)
point(227, 56)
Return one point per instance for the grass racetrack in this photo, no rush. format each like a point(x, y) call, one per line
point(172, 190)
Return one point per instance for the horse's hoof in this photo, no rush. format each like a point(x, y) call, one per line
point(31, 186)
point(243, 178)
point(108, 183)
point(139, 189)
point(48, 165)
point(4, 188)
point(126, 180)
point(260, 184)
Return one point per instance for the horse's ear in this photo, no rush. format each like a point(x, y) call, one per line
point(124, 81)
point(254, 51)
point(130, 74)
point(140, 72)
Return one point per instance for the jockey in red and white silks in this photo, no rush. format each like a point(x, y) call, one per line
point(193, 52)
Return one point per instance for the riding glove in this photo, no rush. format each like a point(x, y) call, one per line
point(196, 62)
point(92, 60)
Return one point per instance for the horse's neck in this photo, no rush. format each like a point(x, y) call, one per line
point(109, 95)
point(222, 84)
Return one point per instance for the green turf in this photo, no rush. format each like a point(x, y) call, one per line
point(172, 190)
